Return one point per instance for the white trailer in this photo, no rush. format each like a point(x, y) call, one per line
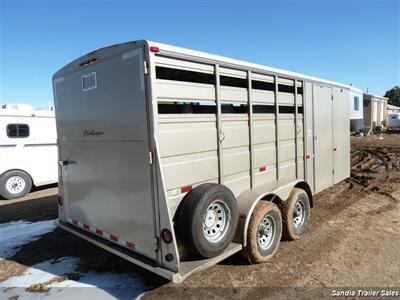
point(393, 121)
point(175, 159)
point(28, 149)
point(375, 114)
point(356, 109)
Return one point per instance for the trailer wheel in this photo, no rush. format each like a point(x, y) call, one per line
point(208, 219)
point(264, 233)
point(15, 184)
point(295, 214)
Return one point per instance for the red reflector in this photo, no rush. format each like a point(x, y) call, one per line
point(307, 157)
point(60, 201)
point(154, 49)
point(130, 245)
point(186, 189)
point(86, 226)
point(242, 215)
point(113, 238)
point(99, 232)
point(262, 169)
point(88, 62)
point(166, 235)
point(75, 222)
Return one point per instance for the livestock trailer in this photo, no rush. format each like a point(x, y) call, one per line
point(28, 149)
point(356, 109)
point(175, 159)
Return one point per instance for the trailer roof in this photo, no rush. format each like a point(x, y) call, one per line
point(227, 60)
point(376, 96)
point(352, 88)
point(26, 113)
point(199, 55)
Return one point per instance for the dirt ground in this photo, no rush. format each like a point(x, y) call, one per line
point(353, 240)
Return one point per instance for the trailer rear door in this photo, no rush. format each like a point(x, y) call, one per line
point(103, 136)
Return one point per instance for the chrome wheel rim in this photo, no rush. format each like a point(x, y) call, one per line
point(299, 214)
point(15, 185)
point(266, 232)
point(216, 221)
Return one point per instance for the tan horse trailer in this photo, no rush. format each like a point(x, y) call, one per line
point(176, 159)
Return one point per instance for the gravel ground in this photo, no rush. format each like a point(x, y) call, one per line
point(353, 240)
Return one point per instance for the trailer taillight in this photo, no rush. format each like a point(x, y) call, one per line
point(154, 49)
point(60, 201)
point(166, 235)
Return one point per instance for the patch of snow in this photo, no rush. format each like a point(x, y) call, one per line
point(15, 234)
point(42, 272)
point(91, 285)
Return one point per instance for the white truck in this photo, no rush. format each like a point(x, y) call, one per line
point(28, 149)
point(175, 159)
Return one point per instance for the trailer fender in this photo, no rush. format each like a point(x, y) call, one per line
point(248, 200)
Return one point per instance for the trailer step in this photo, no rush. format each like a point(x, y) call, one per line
point(187, 268)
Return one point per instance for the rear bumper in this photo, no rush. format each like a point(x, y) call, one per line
point(186, 267)
point(131, 256)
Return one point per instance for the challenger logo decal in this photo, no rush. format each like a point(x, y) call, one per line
point(92, 132)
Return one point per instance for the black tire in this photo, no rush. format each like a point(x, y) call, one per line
point(288, 208)
point(254, 251)
point(21, 181)
point(211, 200)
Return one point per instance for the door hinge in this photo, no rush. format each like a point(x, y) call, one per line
point(150, 157)
point(332, 97)
point(333, 171)
point(145, 67)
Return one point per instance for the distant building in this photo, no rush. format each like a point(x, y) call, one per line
point(375, 111)
point(393, 109)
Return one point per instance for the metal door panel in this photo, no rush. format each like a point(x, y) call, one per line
point(323, 162)
point(341, 135)
point(108, 187)
point(103, 134)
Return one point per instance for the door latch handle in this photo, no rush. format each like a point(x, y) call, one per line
point(222, 136)
point(298, 129)
point(66, 162)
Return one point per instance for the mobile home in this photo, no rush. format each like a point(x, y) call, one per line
point(175, 159)
point(393, 109)
point(374, 111)
point(356, 109)
point(28, 149)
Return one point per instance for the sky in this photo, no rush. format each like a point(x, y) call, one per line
point(350, 41)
